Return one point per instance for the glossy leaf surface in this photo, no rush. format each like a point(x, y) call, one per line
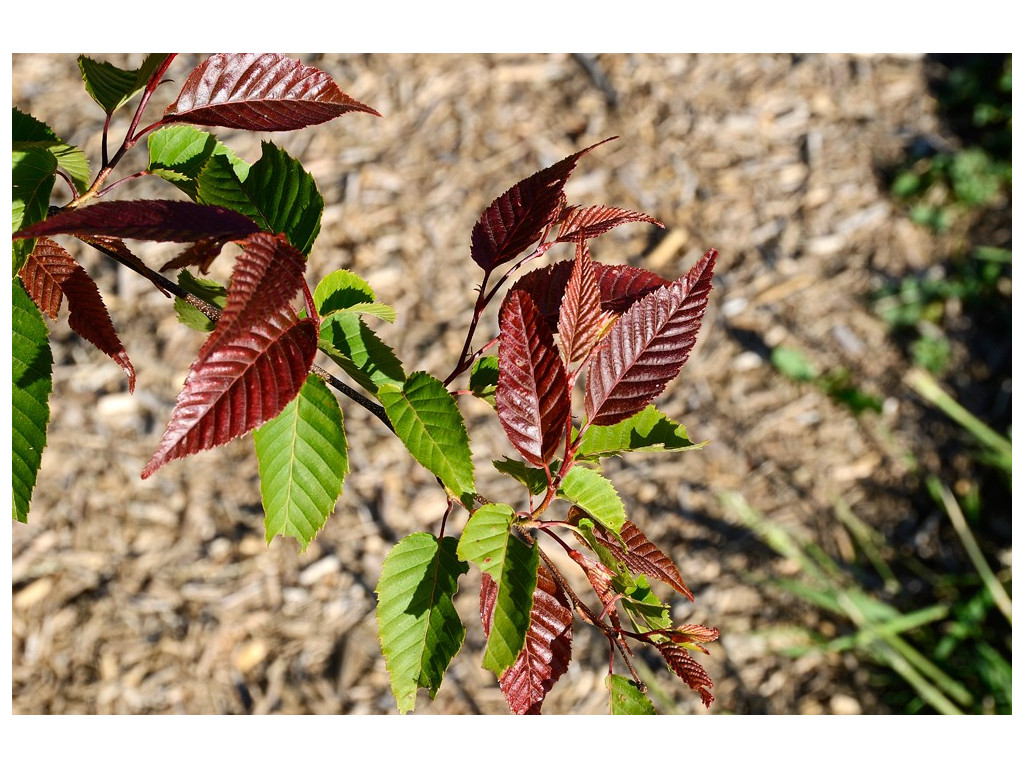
point(259, 92)
point(595, 494)
point(180, 154)
point(582, 223)
point(641, 556)
point(688, 669)
point(255, 361)
point(516, 219)
point(303, 458)
point(579, 317)
point(420, 630)
point(352, 344)
point(532, 396)
point(548, 648)
point(647, 347)
point(649, 430)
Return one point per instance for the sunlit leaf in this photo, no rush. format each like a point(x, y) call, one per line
point(626, 697)
point(181, 153)
point(344, 291)
point(209, 291)
point(259, 92)
point(253, 363)
point(350, 342)
point(536, 480)
point(548, 648)
point(595, 494)
point(636, 552)
point(647, 347)
point(688, 669)
point(516, 219)
point(582, 223)
point(532, 396)
point(420, 630)
point(579, 318)
point(28, 132)
point(303, 458)
point(32, 370)
point(427, 419)
point(488, 541)
point(649, 430)
point(483, 378)
point(112, 87)
point(50, 274)
point(32, 175)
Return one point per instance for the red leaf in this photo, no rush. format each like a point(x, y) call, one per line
point(647, 347)
point(548, 648)
point(259, 92)
point(532, 397)
point(579, 223)
point(518, 217)
point(201, 254)
point(643, 557)
point(620, 286)
point(115, 246)
point(49, 274)
point(176, 221)
point(686, 667)
point(579, 318)
point(255, 360)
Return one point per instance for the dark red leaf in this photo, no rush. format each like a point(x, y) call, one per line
point(518, 217)
point(623, 285)
point(579, 223)
point(548, 649)
point(176, 221)
point(259, 92)
point(686, 667)
point(532, 397)
point(115, 246)
point(201, 254)
point(50, 274)
point(255, 360)
point(620, 286)
point(643, 557)
point(580, 318)
point(647, 347)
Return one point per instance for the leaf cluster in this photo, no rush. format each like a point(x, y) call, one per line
point(617, 334)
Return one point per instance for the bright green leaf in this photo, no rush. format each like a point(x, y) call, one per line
point(420, 630)
point(350, 342)
point(649, 430)
point(534, 478)
point(595, 494)
point(489, 542)
point(180, 153)
point(32, 178)
point(32, 367)
point(27, 131)
point(427, 419)
point(112, 87)
point(209, 291)
point(303, 458)
point(277, 193)
point(627, 698)
point(344, 291)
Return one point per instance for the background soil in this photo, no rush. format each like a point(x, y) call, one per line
point(161, 596)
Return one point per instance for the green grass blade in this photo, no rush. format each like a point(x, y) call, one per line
point(420, 630)
point(427, 419)
point(303, 458)
point(32, 367)
point(489, 542)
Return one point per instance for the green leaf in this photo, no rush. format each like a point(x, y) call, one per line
point(420, 630)
point(427, 419)
point(649, 430)
point(595, 494)
point(483, 378)
point(489, 542)
point(644, 608)
point(27, 131)
point(209, 291)
point(180, 153)
point(534, 478)
point(793, 364)
point(344, 291)
point(32, 176)
point(32, 367)
point(112, 87)
point(277, 194)
point(303, 458)
point(350, 342)
point(626, 697)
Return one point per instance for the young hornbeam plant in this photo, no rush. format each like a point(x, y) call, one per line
point(621, 333)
